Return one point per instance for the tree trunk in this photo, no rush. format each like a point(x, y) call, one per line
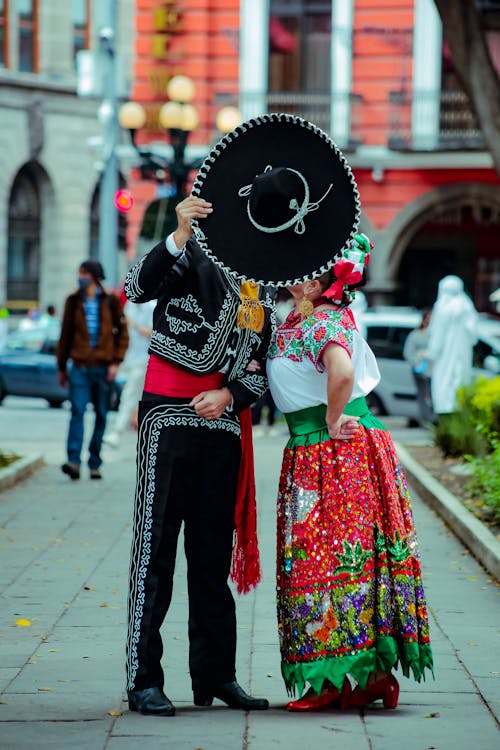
point(464, 33)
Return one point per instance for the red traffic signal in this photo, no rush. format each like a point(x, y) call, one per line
point(123, 200)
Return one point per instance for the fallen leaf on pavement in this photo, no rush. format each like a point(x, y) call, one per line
point(89, 588)
point(23, 623)
point(45, 690)
point(115, 713)
point(104, 604)
point(54, 650)
point(433, 715)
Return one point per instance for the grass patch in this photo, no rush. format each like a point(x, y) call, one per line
point(7, 458)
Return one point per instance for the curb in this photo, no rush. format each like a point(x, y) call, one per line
point(479, 539)
point(19, 470)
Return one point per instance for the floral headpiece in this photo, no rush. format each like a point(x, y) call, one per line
point(349, 268)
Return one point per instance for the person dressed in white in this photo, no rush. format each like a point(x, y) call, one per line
point(140, 322)
point(452, 335)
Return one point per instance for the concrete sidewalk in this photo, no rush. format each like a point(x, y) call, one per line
point(64, 559)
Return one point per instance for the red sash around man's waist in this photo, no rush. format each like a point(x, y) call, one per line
point(165, 379)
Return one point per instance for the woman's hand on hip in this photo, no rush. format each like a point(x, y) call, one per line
point(344, 428)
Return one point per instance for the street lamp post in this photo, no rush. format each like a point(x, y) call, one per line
point(108, 218)
point(179, 118)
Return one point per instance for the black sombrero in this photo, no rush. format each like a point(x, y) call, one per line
point(285, 201)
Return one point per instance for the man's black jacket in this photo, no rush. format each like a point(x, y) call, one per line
point(194, 322)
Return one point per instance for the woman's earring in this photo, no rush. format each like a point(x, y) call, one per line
point(306, 308)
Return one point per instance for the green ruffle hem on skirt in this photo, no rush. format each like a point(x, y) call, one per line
point(308, 426)
point(385, 656)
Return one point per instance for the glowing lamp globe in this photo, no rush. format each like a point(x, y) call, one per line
point(190, 117)
point(170, 115)
point(228, 118)
point(132, 116)
point(180, 89)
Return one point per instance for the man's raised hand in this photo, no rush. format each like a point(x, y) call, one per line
point(188, 209)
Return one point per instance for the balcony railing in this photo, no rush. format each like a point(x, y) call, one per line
point(433, 121)
point(320, 109)
point(409, 121)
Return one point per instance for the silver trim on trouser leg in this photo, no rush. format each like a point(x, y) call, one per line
point(159, 417)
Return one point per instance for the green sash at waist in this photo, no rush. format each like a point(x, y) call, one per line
point(308, 426)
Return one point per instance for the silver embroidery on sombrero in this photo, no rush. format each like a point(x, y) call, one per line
point(165, 415)
point(301, 211)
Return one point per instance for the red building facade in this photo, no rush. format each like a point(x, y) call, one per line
point(377, 76)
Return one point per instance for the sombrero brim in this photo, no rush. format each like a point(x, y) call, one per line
point(281, 259)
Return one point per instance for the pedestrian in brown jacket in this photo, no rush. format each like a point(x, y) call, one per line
point(94, 337)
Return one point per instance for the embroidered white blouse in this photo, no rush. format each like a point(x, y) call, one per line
point(295, 371)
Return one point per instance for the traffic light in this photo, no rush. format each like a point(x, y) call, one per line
point(123, 200)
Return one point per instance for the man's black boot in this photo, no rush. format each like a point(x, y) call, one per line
point(233, 695)
point(150, 701)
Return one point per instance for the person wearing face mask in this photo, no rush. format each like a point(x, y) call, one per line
point(94, 336)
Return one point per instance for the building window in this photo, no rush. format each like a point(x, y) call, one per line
point(27, 11)
point(4, 35)
point(23, 250)
point(299, 46)
point(80, 18)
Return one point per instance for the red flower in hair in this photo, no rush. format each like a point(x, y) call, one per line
point(345, 275)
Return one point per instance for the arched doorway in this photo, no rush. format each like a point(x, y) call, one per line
point(455, 235)
point(23, 244)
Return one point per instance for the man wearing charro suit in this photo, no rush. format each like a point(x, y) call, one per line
point(189, 463)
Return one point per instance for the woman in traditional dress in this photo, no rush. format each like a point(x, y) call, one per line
point(350, 601)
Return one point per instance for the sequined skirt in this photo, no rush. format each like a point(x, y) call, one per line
point(349, 588)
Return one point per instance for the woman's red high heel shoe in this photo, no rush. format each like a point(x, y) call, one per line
point(313, 702)
point(386, 689)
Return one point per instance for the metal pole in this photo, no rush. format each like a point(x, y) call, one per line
point(108, 214)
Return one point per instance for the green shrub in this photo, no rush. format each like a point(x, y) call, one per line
point(485, 482)
point(475, 427)
point(456, 435)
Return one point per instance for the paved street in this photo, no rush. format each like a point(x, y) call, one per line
point(64, 560)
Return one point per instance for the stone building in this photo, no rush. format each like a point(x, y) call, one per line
point(48, 174)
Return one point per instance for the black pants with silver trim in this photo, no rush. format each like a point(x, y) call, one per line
point(187, 470)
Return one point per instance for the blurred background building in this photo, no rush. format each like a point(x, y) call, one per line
point(377, 75)
point(49, 176)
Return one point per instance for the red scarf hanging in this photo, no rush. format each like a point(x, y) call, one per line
point(245, 565)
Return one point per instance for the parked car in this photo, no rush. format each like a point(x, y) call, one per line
point(28, 368)
point(386, 332)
